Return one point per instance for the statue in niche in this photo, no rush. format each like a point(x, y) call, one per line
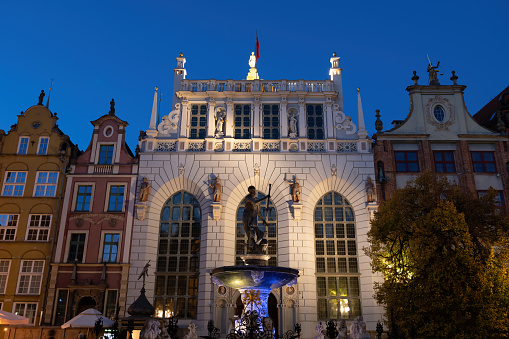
point(292, 122)
point(250, 220)
point(144, 190)
point(370, 190)
point(217, 189)
point(294, 189)
point(220, 119)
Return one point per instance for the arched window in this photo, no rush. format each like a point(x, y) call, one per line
point(178, 257)
point(337, 269)
point(270, 215)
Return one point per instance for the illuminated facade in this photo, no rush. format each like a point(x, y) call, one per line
point(91, 256)
point(34, 155)
point(267, 134)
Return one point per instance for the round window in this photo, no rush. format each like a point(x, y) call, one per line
point(36, 124)
point(439, 113)
point(108, 131)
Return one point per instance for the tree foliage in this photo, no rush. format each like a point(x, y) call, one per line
point(443, 254)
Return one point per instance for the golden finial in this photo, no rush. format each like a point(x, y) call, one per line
point(358, 89)
point(157, 88)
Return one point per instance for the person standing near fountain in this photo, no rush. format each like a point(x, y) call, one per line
point(250, 221)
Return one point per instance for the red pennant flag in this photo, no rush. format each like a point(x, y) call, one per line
point(257, 48)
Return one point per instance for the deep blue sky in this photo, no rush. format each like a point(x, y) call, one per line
point(98, 50)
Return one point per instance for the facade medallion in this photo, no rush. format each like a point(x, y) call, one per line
point(440, 113)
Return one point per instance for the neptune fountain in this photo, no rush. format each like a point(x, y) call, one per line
point(255, 279)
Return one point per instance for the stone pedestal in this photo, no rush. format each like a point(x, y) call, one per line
point(216, 210)
point(372, 207)
point(141, 211)
point(297, 211)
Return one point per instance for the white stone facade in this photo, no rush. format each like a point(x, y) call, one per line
point(341, 161)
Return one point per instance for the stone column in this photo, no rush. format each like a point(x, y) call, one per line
point(283, 116)
point(211, 122)
point(329, 119)
point(256, 117)
point(302, 118)
point(186, 107)
point(230, 121)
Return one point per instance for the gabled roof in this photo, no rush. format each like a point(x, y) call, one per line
point(485, 116)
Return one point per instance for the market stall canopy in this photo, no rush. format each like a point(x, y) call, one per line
point(7, 318)
point(88, 318)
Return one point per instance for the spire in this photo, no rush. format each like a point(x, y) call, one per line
point(49, 94)
point(362, 133)
point(153, 117)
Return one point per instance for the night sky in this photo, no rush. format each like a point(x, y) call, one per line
point(98, 50)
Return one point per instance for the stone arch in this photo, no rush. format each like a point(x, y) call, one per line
point(17, 166)
point(5, 254)
point(34, 254)
point(10, 208)
point(169, 188)
point(48, 166)
point(353, 191)
point(41, 209)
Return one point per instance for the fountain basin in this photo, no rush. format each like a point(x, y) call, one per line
point(255, 277)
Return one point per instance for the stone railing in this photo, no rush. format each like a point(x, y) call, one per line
point(256, 86)
point(103, 169)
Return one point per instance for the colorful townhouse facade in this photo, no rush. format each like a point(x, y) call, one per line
point(91, 258)
point(34, 158)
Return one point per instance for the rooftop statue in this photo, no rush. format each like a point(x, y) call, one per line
point(433, 70)
point(252, 60)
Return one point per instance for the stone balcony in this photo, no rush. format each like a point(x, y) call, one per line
point(264, 86)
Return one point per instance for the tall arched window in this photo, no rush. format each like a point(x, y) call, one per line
point(337, 270)
point(270, 215)
point(178, 257)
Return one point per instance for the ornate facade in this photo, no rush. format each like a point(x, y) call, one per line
point(91, 256)
point(34, 156)
point(441, 136)
point(288, 138)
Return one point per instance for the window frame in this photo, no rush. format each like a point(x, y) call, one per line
point(45, 185)
point(239, 132)
point(316, 127)
point(41, 144)
point(407, 162)
point(268, 117)
point(107, 200)
point(184, 244)
point(199, 125)
point(103, 242)
point(106, 297)
point(68, 247)
point(31, 275)
point(9, 228)
point(444, 162)
point(38, 228)
point(483, 162)
point(14, 184)
point(99, 152)
point(20, 143)
point(55, 310)
point(75, 196)
point(336, 232)
point(6, 274)
point(25, 310)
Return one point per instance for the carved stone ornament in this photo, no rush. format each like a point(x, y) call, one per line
point(334, 170)
point(256, 169)
point(449, 118)
point(79, 222)
point(216, 210)
point(112, 222)
point(170, 122)
point(343, 122)
point(141, 211)
point(294, 147)
point(181, 169)
point(218, 147)
point(297, 211)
